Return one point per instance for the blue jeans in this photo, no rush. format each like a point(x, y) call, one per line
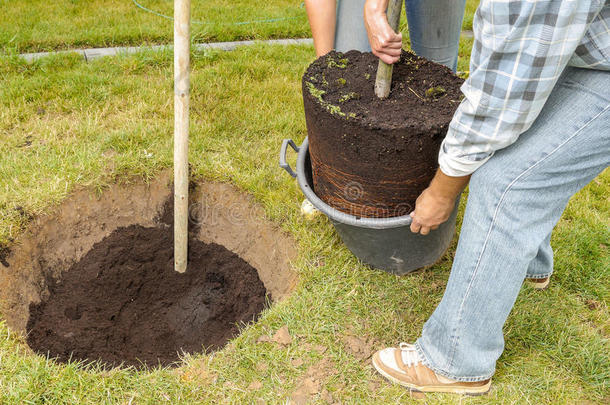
point(515, 200)
point(434, 28)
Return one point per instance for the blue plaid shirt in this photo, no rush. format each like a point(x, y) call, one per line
point(520, 50)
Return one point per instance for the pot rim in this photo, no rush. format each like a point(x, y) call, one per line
point(334, 214)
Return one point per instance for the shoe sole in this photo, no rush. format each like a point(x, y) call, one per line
point(539, 286)
point(474, 391)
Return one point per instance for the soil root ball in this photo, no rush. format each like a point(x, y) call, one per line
point(372, 157)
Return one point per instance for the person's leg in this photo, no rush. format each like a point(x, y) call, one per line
point(434, 29)
point(351, 32)
point(540, 269)
point(542, 265)
point(515, 200)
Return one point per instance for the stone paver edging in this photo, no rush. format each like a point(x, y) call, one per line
point(94, 53)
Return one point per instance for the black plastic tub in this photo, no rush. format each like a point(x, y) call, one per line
point(383, 243)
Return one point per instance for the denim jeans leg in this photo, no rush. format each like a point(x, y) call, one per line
point(350, 32)
point(542, 265)
point(515, 200)
point(434, 29)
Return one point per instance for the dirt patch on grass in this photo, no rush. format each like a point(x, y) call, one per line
point(311, 385)
point(112, 249)
point(361, 347)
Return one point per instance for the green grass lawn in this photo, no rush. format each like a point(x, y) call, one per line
point(41, 25)
point(65, 123)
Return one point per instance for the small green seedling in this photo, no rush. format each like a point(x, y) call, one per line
point(349, 96)
point(435, 92)
point(318, 93)
point(341, 63)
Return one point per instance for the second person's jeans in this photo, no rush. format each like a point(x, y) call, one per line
point(434, 28)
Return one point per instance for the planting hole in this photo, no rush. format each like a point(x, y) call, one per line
point(95, 280)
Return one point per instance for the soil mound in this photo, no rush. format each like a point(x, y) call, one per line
point(124, 303)
point(424, 94)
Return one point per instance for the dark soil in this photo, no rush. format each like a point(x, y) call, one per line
point(373, 157)
point(123, 303)
point(4, 252)
point(416, 98)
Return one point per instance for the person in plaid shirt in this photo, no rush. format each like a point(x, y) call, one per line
point(532, 130)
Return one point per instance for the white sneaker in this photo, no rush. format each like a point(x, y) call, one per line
point(403, 366)
point(308, 210)
point(539, 283)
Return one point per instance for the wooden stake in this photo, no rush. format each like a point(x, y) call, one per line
point(383, 80)
point(182, 39)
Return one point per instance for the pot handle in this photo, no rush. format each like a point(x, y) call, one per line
point(283, 164)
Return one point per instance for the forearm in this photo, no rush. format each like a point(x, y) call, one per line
point(322, 20)
point(376, 6)
point(436, 203)
point(447, 187)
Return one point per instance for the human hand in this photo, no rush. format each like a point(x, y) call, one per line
point(431, 210)
point(385, 43)
point(436, 203)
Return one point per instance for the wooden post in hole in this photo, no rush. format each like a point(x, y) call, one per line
point(383, 80)
point(182, 39)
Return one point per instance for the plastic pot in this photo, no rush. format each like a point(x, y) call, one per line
point(383, 243)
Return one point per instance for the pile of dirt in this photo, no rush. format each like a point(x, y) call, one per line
point(123, 303)
point(372, 157)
